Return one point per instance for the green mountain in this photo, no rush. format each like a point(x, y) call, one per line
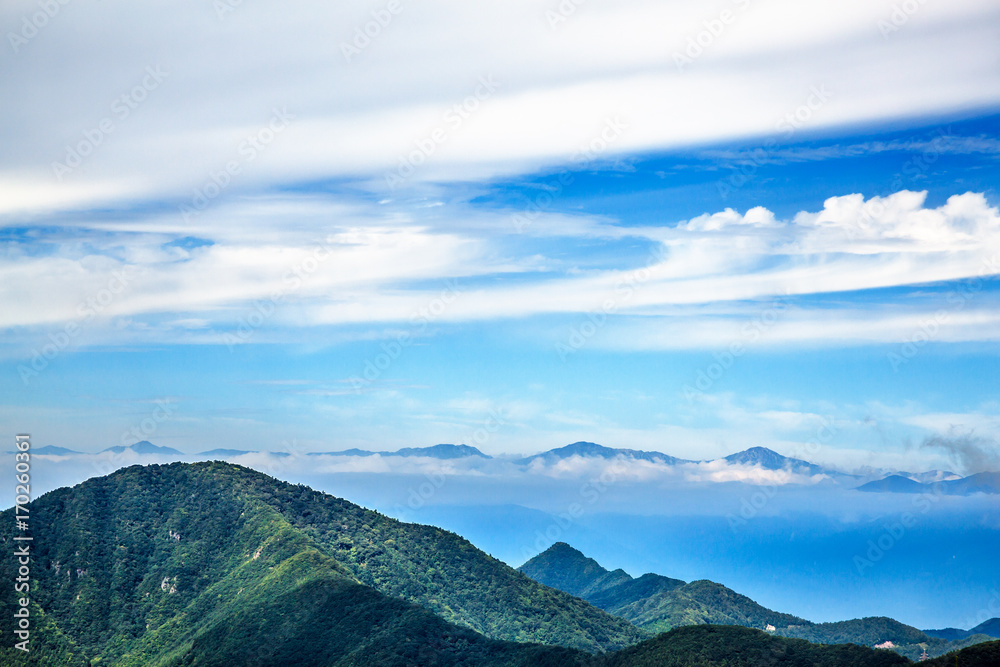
point(652, 601)
point(566, 569)
point(162, 565)
point(906, 639)
point(986, 654)
point(658, 603)
point(733, 646)
point(213, 565)
point(990, 628)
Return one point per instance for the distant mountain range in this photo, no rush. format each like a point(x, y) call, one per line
point(52, 450)
point(657, 603)
point(990, 628)
point(144, 447)
point(434, 451)
point(933, 481)
point(593, 450)
point(213, 564)
point(984, 482)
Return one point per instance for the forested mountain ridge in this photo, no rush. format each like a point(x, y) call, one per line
point(652, 601)
point(658, 604)
point(119, 559)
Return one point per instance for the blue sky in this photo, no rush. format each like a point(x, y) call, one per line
point(582, 237)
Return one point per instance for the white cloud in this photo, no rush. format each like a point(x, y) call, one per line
point(367, 264)
point(557, 87)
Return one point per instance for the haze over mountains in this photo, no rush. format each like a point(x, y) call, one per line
point(214, 564)
point(756, 465)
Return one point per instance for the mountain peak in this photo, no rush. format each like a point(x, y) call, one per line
point(568, 569)
point(144, 447)
point(586, 449)
point(766, 458)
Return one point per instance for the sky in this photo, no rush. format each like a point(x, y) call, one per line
point(675, 226)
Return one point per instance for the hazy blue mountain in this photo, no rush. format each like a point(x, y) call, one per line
point(441, 452)
point(948, 634)
point(434, 451)
point(145, 447)
point(771, 460)
point(990, 627)
point(894, 484)
point(593, 450)
point(984, 482)
point(931, 476)
point(225, 452)
point(52, 450)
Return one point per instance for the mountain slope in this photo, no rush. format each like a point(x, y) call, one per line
point(652, 602)
point(990, 627)
point(566, 569)
point(240, 586)
point(134, 549)
point(981, 655)
point(657, 604)
point(207, 564)
point(730, 646)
